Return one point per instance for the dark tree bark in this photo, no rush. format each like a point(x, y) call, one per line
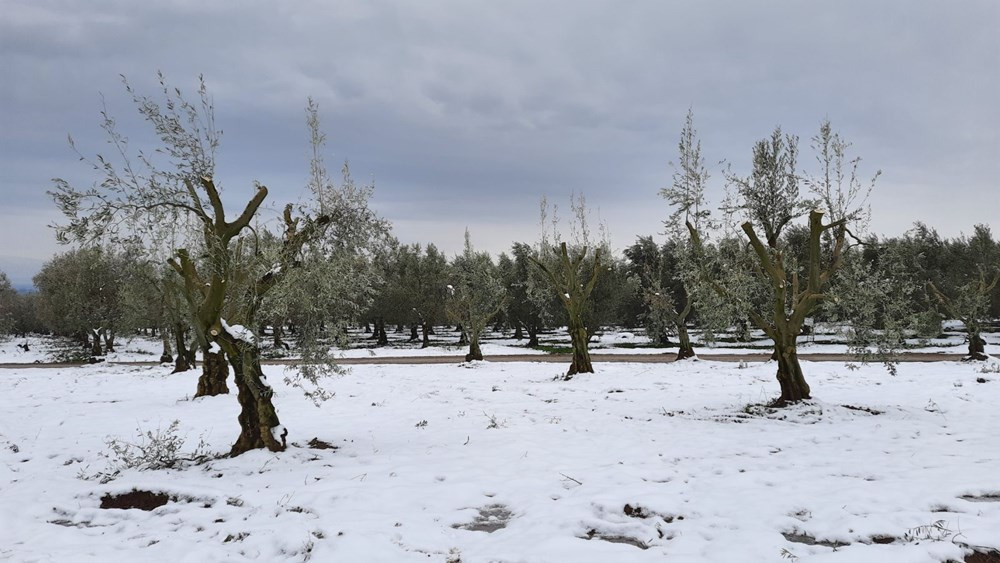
point(214, 372)
point(463, 339)
point(413, 334)
point(581, 354)
point(95, 343)
point(279, 332)
point(259, 424)
point(532, 336)
point(685, 349)
point(381, 338)
point(425, 329)
point(977, 348)
point(474, 352)
point(182, 361)
point(109, 340)
point(518, 333)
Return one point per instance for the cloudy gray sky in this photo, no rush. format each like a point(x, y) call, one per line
point(466, 112)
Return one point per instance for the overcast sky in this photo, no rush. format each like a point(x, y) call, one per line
point(465, 113)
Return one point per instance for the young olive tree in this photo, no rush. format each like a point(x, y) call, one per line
point(686, 195)
point(138, 195)
point(572, 273)
point(969, 302)
point(475, 295)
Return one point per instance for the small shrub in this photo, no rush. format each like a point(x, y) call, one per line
point(159, 449)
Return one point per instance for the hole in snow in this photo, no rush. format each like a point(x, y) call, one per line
point(491, 518)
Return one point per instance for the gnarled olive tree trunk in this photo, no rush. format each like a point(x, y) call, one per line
point(259, 424)
point(214, 372)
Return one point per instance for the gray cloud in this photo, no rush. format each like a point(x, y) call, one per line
point(465, 113)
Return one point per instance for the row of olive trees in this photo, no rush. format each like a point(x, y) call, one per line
point(785, 249)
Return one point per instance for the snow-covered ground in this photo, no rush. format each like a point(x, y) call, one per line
point(499, 462)
point(445, 343)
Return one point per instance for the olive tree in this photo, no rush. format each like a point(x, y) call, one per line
point(686, 196)
point(771, 201)
point(571, 272)
point(138, 195)
point(475, 295)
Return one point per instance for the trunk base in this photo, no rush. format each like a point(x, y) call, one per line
point(259, 425)
point(685, 353)
point(214, 371)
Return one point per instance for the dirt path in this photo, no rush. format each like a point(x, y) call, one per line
point(559, 358)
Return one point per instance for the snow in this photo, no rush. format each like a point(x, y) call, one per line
point(239, 332)
point(430, 456)
point(132, 348)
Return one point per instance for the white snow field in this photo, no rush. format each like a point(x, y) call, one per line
point(500, 462)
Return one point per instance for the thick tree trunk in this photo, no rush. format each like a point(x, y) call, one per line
point(182, 360)
point(425, 328)
point(685, 349)
point(977, 347)
point(109, 340)
point(368, 328)
point(214, 371)
point(259, 425)
point(383, 338)
point(413, 333)
point(399, 328)
point(793, 383)
point(518, 333)
point(278, 333)
point(463, 339)
point(165, 357)
point(532, 336)
point(95, 343)
point(581, 355)
point(474, 352)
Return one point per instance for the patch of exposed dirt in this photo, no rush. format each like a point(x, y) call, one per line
point(143, 500)
point(806, 539)
point(637, 511)
point(491, 518)
point(593, 534)
point(988, 497)
point(982, 555)
point(318, 444)
point(863, 409)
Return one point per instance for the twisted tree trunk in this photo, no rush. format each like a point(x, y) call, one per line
point(581, 354)
point(182, 360)
point(259, 424)
point(214, 372)
point(685, 349)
